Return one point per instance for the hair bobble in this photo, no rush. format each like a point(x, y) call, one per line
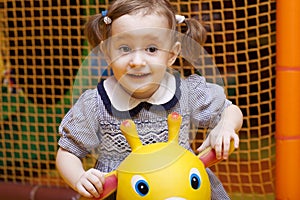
point(107, 20)
point(179, 19)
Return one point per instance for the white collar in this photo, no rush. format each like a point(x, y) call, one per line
point(123, 101)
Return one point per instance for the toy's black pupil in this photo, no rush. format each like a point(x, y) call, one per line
point(143, 188)
point(195, 183)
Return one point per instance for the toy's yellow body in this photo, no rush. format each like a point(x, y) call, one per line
point(161, 170)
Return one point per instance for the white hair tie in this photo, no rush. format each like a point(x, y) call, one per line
point(107, 20)
point(179, 19)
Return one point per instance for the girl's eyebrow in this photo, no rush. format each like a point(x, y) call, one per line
point(151, 36)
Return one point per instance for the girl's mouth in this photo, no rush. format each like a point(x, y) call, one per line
point(138, 75)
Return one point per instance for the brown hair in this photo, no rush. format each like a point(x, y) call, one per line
point(96, 30)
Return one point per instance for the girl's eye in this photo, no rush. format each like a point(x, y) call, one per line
point(124, 49)
point(152, 49)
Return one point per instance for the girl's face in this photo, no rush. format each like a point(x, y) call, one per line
point(139, 52)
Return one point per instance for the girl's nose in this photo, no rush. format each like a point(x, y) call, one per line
point(137, 59)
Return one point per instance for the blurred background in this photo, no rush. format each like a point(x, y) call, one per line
point(42, 47)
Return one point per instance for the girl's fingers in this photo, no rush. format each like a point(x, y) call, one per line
point(226, 146)
point(236, 140)
point(91, 183)
point(218, 148)
point(82, 191)
point(204, 145)
point(96, 183)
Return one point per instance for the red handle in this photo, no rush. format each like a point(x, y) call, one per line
point(209, 158)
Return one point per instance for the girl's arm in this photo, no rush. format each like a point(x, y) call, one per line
point(87, 183)
point(226, 130)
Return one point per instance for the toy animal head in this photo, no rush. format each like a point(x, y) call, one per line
point(165, 170)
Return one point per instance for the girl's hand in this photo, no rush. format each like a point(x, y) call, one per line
point(90, 184)
point(219, 139)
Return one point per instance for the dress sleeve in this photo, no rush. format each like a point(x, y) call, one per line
point(79, 127)
point(207, 101)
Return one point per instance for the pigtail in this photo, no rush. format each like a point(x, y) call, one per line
point(195, 30)
point(94, 30)
point(193, 39)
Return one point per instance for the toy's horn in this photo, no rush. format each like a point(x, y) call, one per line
point(128, 129)
point(174, 122)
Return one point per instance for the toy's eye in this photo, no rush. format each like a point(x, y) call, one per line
point(140, 185)
point(195, 178)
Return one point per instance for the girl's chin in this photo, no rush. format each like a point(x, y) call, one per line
point(142, 92)
point(141, 95)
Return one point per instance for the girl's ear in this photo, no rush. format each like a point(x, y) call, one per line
point(174, 53)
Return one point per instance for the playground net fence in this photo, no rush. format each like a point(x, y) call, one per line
point(42, 47)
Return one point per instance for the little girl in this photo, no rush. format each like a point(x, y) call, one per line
point(138, 41)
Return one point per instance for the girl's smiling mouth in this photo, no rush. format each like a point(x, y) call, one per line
point(138, 75)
